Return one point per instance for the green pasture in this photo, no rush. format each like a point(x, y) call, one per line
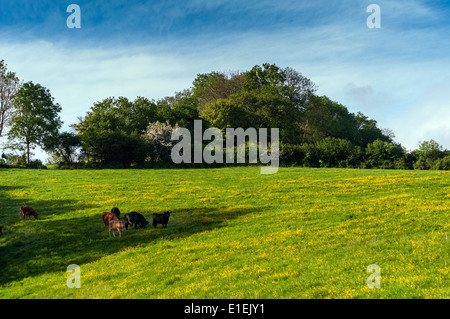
point(234, 233)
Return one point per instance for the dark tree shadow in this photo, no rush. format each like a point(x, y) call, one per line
point(25, 243)
point(50, 244)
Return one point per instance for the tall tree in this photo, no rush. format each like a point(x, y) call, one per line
point(323, 117)
point(34, 120)
point(110, 131)
point(64, 147)
point(370, 132)
point(210, 87)
point(9, 84)
point(286, 82)
point(180, 109)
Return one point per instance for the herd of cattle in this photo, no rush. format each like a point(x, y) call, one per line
point(112, 218)
point(133, 218)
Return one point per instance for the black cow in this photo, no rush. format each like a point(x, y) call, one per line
point(1, 228)
point(136, 219)
point(161, 219)
point(115, 211)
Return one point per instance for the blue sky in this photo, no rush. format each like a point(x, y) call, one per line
point(398, 75)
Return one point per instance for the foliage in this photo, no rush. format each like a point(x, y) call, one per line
point(286, 83)
point(64, 147)
point(35, 119)
point(178, 110)
point(109, 134)
point(9, 85)
point(158, 135)
point(430, 155)
point(381, 154)
point(210, 87)
point(325, 118)
point(442, 163)
point(369, 131)
point(314, 131)
point(334, 152)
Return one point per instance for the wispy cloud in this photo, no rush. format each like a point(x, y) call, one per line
point(152, 49)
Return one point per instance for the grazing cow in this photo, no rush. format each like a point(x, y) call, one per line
point(136, 219)
point(26, 211)
point(161, 219)
point(108, 217)
point(117, 225)
point(116, 211)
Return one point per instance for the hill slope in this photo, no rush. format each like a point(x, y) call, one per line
point(300, 233)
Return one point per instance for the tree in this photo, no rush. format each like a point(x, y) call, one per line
point(111, 131)
point(137, 114)
point(9, 84)
point(34, 120)
point(179, 110)
point(334, 152)
point(159, 135)
point(225, 113)
point(209, 87)
point(381, 154)
point(430, 149)
point(64, 146)
point(429, 155)
point(264, 97)
point(285, 82)
point(323, 117)
point(370, 132)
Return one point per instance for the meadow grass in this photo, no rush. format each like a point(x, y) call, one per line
point(234, 233)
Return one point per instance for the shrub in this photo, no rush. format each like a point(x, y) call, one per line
point(442, 163)
point(292, 155)
point(380, 154)
point(335, 152)
point(158, 135)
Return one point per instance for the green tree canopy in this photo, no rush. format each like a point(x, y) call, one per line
point(9, 84)
point(369, 130)
point(111, 131)
point(323, 117)
point(181, 109)
point(34, 120)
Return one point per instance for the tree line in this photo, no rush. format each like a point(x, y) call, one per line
point(314, 130)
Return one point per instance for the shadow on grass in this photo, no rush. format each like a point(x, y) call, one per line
point(9, 204)
point(27, 247)
point(50, 244)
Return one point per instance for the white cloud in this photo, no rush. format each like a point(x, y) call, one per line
point(396, 78)
point(428, 117)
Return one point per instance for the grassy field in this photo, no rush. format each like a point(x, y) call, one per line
point(300, 233)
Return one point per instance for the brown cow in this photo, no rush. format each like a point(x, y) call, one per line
point(108, 217)
point(26, 211)
point(117, 225)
